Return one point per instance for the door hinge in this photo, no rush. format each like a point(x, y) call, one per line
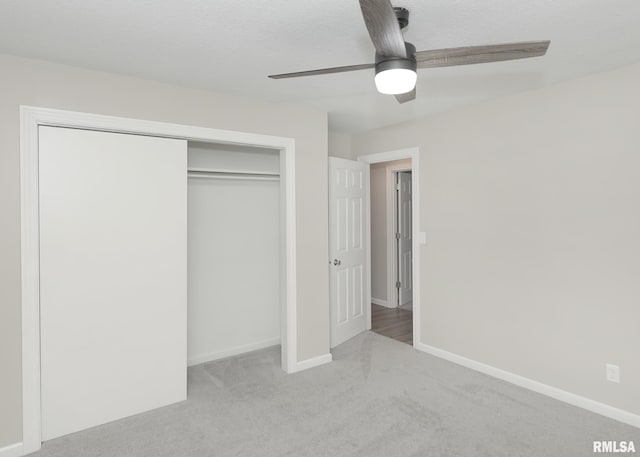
point(398, 284)
point(398, 186)
point(398, 236)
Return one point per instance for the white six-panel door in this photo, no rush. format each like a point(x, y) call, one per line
point(113, 246)
point(347, 265)
point(405, 239)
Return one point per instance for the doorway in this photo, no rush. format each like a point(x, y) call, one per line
point(411, 157)
point(352, 284)
point(391, 249)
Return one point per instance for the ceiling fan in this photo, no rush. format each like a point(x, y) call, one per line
point(396, 61)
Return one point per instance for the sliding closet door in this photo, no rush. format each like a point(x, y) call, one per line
point(113, 244)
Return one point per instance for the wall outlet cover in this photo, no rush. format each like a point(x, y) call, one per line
point(613, 373)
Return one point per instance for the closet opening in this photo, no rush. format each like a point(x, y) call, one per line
point(234, 269)
point(104, 267)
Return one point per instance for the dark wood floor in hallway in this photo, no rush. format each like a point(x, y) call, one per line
point(393, 323)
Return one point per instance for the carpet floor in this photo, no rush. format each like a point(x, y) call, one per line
point(379, 397)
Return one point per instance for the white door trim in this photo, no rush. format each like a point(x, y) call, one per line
point(30, 119)
point(413, 154)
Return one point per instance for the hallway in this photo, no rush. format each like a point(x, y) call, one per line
point(392, 323)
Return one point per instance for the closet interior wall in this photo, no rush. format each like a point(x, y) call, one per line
point(233, 250)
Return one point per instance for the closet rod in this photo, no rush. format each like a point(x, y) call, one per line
point(232, 175)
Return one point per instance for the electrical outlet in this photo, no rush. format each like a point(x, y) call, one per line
point(613, 373)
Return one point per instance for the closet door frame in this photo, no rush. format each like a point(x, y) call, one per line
point(33, 117)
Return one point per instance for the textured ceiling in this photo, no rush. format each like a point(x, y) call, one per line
point(231, 46)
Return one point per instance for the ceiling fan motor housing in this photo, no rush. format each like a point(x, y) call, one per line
point(387, 63)
point(403, 16)
point(396, 63)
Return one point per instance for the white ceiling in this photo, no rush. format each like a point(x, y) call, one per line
point(231, 46)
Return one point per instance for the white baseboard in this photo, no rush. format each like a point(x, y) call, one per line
point(210, 357)
point(313, 362)
point(544, 389)
point(13, 450)
point(377, 301)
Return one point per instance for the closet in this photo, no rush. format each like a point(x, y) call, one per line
point(233, 250)
point(154, 253)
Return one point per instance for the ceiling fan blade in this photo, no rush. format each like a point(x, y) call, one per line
point(403, 98)
point(324, 71)
point(383, 28)
point(481, 54)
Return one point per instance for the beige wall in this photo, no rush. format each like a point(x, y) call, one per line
point(531, 208)
point(340, 145)
point(381, 188)
point(27, 82)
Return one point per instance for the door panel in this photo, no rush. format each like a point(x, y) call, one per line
point(342, 295)
point(347, 186)
point(113, 246)
point(358, 291)
point(405, 239)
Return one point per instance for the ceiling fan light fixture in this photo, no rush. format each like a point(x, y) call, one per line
point(396, 60)
point(396, 76)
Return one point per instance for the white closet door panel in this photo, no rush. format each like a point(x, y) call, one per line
point(113, 243)
point(234, 267)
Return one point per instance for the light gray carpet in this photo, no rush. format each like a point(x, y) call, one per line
point(378, 398)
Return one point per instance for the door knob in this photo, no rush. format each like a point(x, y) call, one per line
point(336, 262)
